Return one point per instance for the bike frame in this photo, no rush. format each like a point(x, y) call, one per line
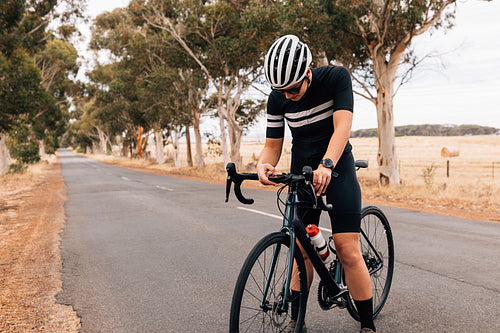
point(296, 231)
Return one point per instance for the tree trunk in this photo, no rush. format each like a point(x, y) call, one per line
point(41, 150)
point(235, 135)
point(188, 147)
point(160, 156)
point(124, 148)
point(199, 149)
point(385, 75)
point(223, 139)
point(95, 148)
point(175, 142)
point(5, 161)
point(140, 132)
point(234, 129)
point(220, 112)
point(103, 140)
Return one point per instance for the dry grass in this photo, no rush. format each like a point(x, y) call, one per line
point(471, 190)
point(31, 219)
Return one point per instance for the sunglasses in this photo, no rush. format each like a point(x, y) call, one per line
point(294, 90)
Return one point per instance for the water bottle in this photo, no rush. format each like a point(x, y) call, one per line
point(319, 243)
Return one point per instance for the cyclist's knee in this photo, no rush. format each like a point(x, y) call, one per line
point(348, 253)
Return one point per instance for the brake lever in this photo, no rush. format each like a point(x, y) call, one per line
point(318, 200)
point(231, 172)
point(228, 187)
point(323, 205)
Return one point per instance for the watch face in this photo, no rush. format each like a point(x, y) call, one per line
point(328, 163)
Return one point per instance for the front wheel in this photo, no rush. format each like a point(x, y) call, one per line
point(267, 263)
point(377, 248)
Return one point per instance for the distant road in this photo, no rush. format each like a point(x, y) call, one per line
point(150, 253)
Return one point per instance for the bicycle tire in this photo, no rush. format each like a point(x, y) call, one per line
point(377, 229)
point(246, 313)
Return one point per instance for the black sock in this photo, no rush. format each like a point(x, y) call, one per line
point(295, 304)
point(365, 310)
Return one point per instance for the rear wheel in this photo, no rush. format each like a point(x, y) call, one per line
point(249, 313)
point(377, 248)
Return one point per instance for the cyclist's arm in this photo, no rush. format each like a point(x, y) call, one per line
point(269, 158)
point(342, 122)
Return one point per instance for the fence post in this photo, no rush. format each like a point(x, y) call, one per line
point(449, 152)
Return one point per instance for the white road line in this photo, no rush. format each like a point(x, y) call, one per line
point(124, 178)
point(275, 216)
point(164, 188)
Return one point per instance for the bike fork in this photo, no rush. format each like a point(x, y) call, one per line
point(272, 267)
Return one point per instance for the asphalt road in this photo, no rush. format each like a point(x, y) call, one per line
point(149, 253)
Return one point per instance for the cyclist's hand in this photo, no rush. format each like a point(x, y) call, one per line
point(321, 179)
point(263, 171)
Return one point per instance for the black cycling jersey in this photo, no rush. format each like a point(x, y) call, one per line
point(311, 118)
point(311, 122)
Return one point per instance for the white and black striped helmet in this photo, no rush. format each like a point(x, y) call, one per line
point(287, 62)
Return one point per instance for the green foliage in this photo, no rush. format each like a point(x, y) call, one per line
point(35, 68)
point(17, 167)
point(23, 147)
point(214, 147)
point(428, 173)
point(20, 91)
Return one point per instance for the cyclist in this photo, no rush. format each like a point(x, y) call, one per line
point(318, 106)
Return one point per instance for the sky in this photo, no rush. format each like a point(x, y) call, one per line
point(460, 86)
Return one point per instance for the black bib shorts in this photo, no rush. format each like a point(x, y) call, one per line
point(343, 193)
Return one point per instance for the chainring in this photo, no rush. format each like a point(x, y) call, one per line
point(327, 299)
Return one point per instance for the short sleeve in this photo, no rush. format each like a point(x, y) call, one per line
point(343, 98)
point(275, 118)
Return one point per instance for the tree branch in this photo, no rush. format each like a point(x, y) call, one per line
point(170, 29)
point(434, 19)
point(365, 88)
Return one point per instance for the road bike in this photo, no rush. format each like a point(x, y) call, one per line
point(262, 296)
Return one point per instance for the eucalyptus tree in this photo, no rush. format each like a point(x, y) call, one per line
point(58, 67)
point(116, 82)
point(24, 102)
point(373, 39)
point(222, 40)
point(173, 82)
point(151, 78)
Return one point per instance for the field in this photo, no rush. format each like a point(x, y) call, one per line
point(472, 189)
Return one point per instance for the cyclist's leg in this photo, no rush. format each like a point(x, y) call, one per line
point(357, 277)
point(309, 269)
point(344, 194)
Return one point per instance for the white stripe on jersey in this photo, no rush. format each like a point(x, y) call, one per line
point(310, 120)
point(276, 123)
point(310, 112)
point(274, 117)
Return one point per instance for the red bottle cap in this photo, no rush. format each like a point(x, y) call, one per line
point(312, 230)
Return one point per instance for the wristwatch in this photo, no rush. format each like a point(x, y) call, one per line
point(327, 163)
